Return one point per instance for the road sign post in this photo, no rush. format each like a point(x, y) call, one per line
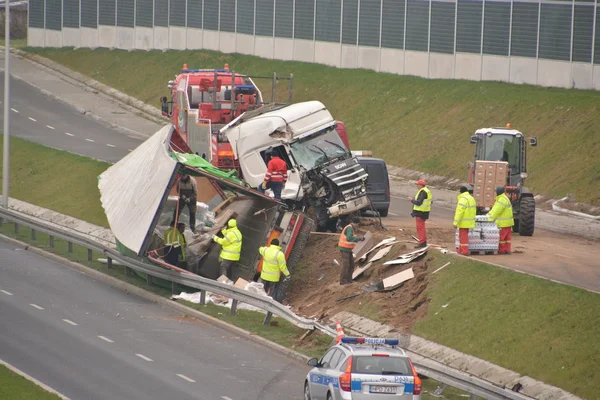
point(5, 158)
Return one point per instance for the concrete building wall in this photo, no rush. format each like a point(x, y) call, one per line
point(540, 42)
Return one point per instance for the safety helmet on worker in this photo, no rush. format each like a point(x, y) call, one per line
point(499, 190)
point(421, 182)
point(232, 223)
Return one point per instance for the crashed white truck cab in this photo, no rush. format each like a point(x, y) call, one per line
point(322, 172)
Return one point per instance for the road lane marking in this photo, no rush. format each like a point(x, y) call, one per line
point(186, 378)
point(394, 214)
point(129, 150)
point(12, 109)
point(68, 321)
point(110, 145)
point(50, 127)
point(90, 140)
point(143, 357)
point(69, 134)
point(226, 398)
point(32, 119)
point(5, 292)
point(106, 339)
point(36, 306)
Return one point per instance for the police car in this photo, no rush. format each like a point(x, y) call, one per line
point(361, 368)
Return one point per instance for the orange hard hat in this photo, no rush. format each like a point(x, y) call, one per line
point(421, 182)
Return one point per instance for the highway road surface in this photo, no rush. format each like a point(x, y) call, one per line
point(91, 341)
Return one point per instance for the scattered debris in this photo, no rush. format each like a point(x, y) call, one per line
point(415, 238)
point(408, 257)
point(443, 266)
point(390, 283)
point(381, 253)
point(348, 297)
point(389, 240)
point(362, 247)
point(358, 272)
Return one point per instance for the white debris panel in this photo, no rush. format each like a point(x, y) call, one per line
point(132, 190)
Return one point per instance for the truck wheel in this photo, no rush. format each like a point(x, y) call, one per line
point(515, 227)
point(527, 216)
point(383, 213)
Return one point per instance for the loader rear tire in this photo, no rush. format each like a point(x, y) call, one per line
point(527, 216)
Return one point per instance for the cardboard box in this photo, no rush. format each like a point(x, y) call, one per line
point(488, 175)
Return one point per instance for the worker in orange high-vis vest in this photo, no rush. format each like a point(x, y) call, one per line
point(346, 244)
point(502, 213)
point(464, 219)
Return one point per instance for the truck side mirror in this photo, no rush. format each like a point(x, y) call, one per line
point(474, 139)
point(533, 141)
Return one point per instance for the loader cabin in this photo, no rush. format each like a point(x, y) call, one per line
point(503, 144)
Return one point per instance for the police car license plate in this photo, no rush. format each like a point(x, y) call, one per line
point(383, 389)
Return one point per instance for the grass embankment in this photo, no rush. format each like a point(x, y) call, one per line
point(15, 387)
point(411, 122)
point(539, 328)
point(54, 179)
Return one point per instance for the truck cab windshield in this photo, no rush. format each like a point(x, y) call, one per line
point(318, 150)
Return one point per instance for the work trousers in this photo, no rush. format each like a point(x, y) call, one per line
point(421, 230)
point(505, 240)
point(268, 285)
point(225, 267)
point(347, 267)
point(276, 187)
point(191, 210)
point(172, 255)
point(463, 241)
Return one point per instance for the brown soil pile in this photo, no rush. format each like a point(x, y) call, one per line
point(316, 293)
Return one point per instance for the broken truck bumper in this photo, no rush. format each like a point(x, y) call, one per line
point(348, 207)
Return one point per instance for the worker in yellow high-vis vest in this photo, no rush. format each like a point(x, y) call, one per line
point(231, 247)
point(502, 214)
point(421, 208)
point(175, 244)
point(464, 219)
point(273, 265)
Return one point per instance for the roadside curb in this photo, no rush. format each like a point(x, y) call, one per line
point(33, 380)
point(140, 292)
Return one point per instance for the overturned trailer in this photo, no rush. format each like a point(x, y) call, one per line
point(138, 197)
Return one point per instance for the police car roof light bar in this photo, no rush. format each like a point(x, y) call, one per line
point(371, 341)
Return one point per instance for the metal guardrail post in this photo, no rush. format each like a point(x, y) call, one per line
point(173, 287)
point(1, 222)
point(69, 247)
point(267, 319)
point(148, 279)
point(109, 262)
point(234, 305)
point(16, 227)
point(202, 297)
point(128, 271)
point(89, 254)
point(51, 241)
point(33, 236)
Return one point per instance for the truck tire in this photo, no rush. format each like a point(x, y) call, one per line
point(527, 216)
point(383, 212)
point(303, 236)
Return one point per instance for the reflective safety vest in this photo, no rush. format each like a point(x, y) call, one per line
point(466, 209)
point(502, 212)
point(231, 244)
point(344, 242)
point(426, 206)
point(174, 238)
point(273, 263)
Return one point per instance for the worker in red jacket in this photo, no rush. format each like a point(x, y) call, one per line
point(276, 175)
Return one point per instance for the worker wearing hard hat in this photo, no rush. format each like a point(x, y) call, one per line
point(175, 244)
point(421, 207)
point(276, 175)
point(346, 244)
point(273, 265)
point(231, 247)
point(502, 213)
point(188, 193)
point(464, 219)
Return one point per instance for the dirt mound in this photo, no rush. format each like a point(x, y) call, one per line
point(316, 293)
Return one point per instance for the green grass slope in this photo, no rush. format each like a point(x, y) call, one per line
point(411, 122)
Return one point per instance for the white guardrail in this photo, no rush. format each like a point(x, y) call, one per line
point(427, 367)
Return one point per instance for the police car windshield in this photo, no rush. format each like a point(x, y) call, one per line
point(377, 365)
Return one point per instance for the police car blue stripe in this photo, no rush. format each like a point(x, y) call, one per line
point(319, 379)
